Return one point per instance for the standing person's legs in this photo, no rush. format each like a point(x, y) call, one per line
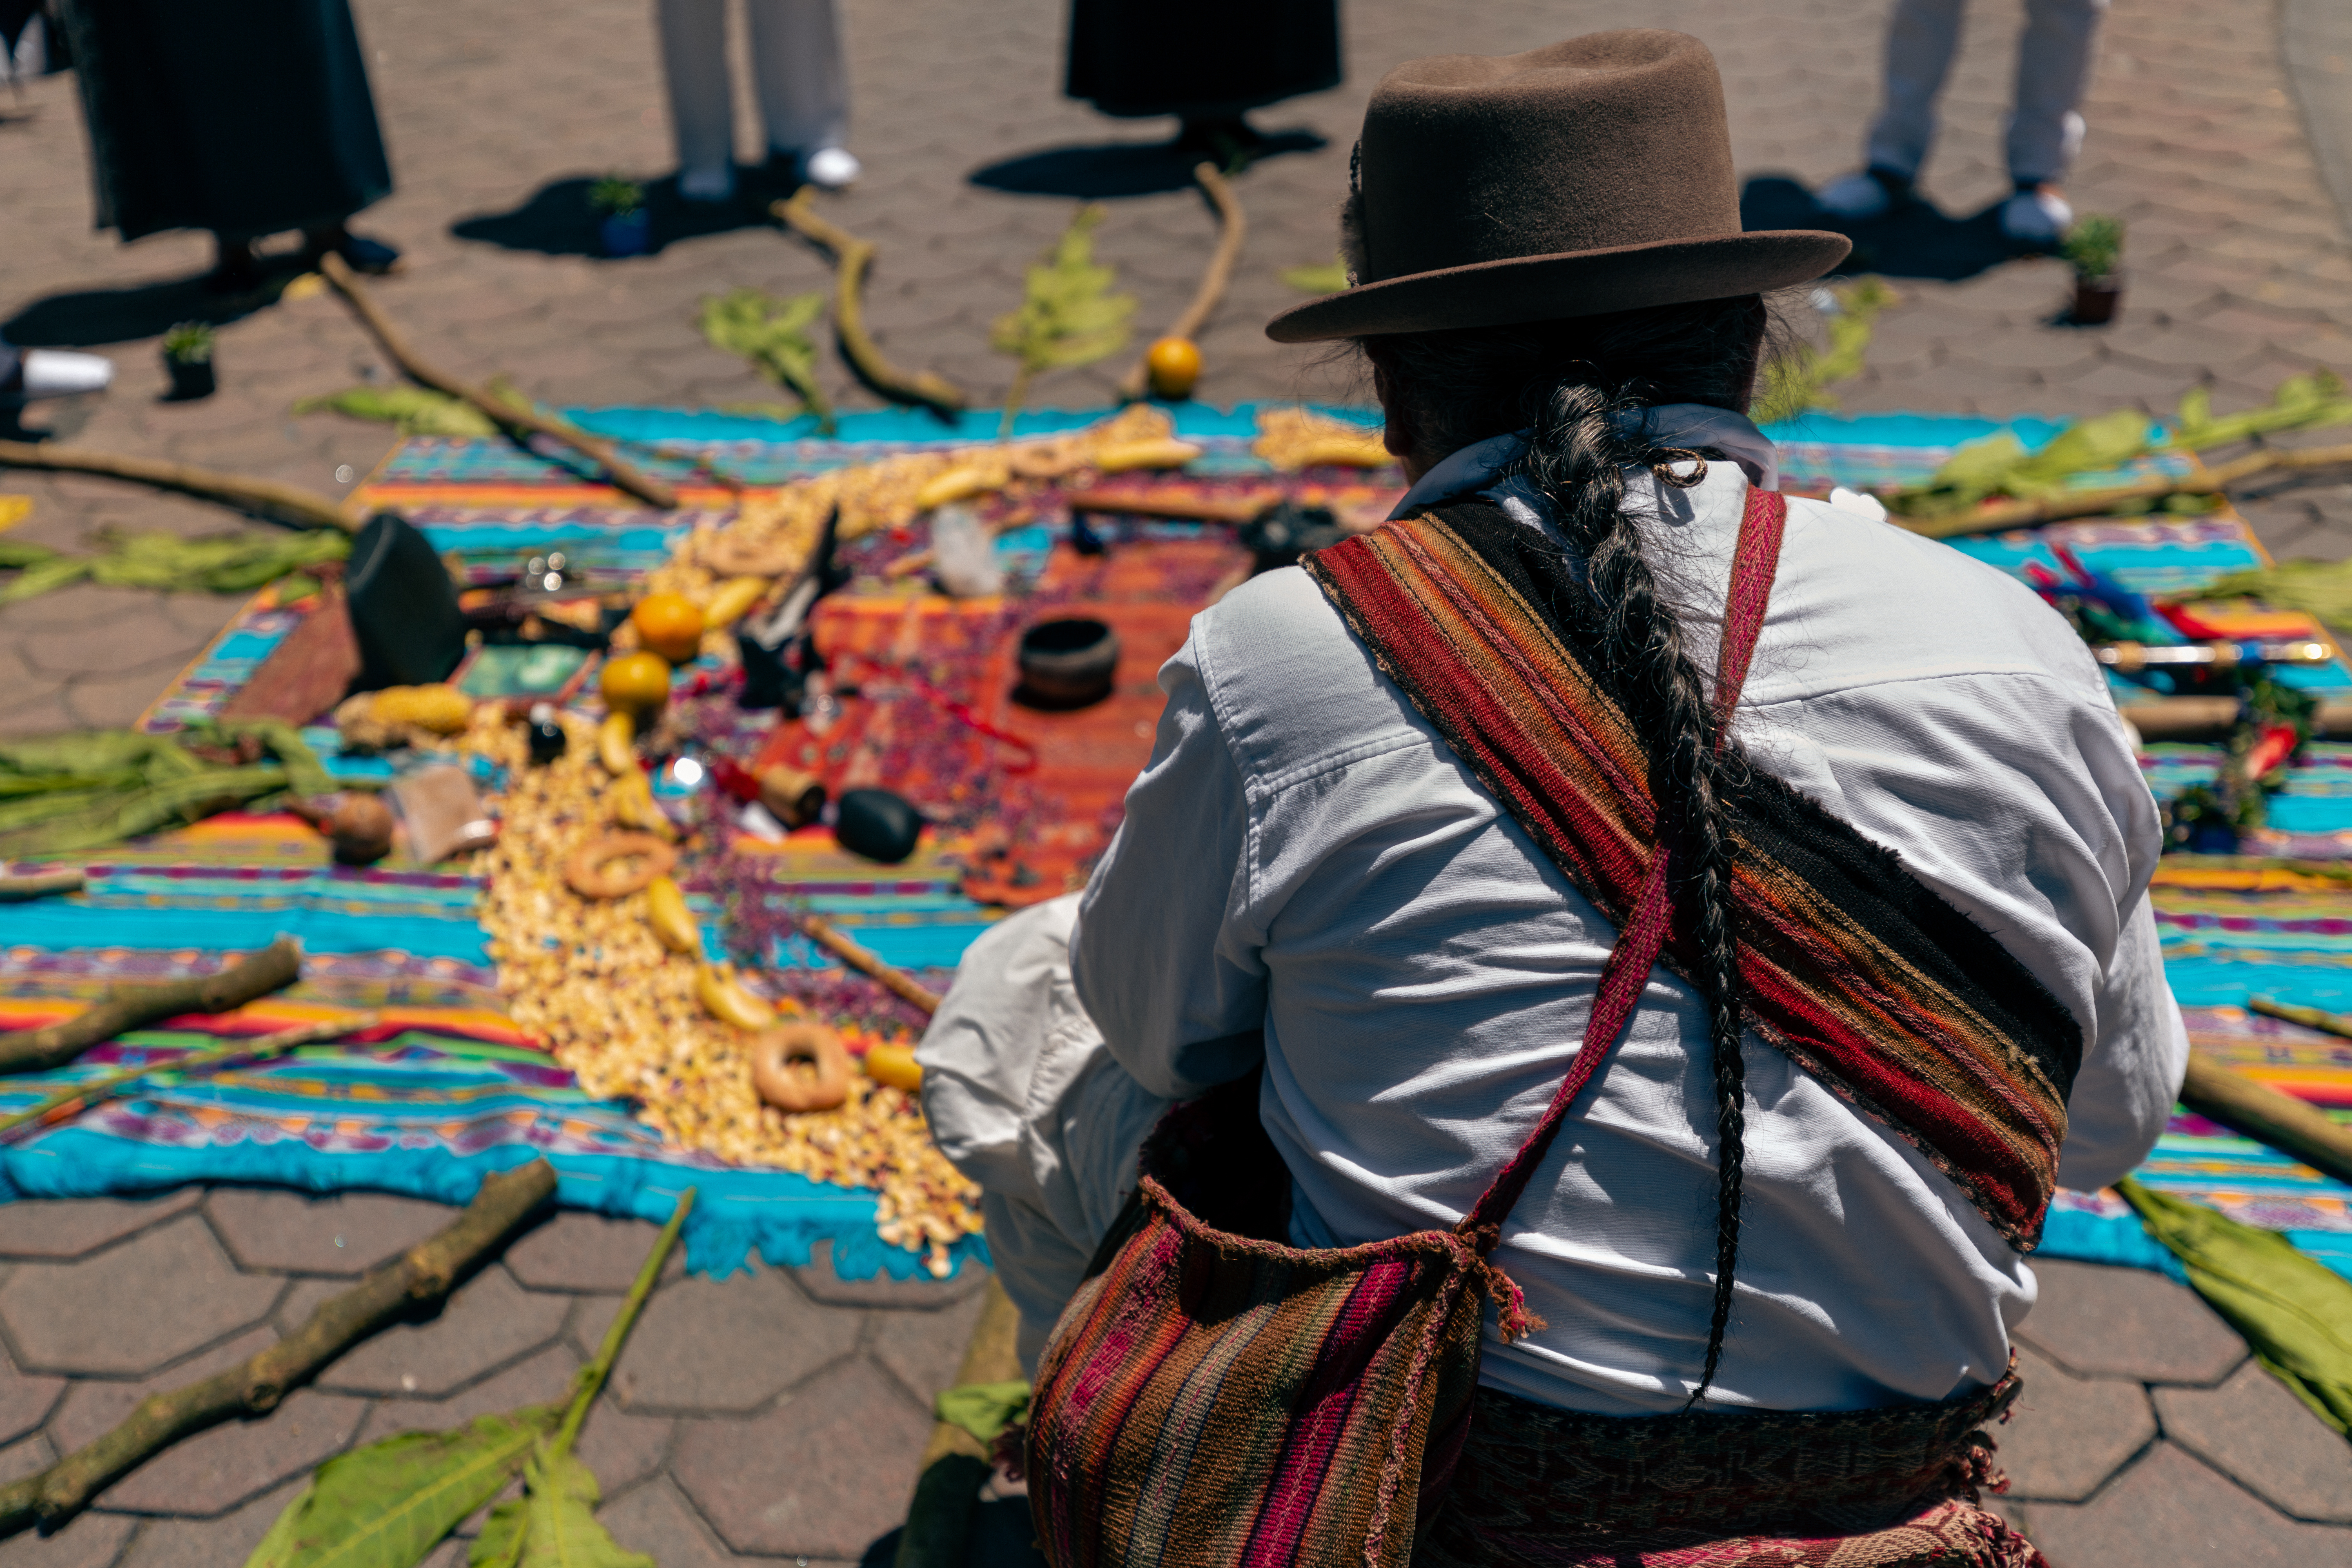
point(702, 109)
point(2045, 128)
point(796, 59)
point(1922, 36)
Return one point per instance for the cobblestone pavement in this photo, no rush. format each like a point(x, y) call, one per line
point(779, 1416)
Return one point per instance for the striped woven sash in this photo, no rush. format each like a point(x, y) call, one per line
point(1863, 974)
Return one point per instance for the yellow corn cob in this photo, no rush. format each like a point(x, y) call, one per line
point(735, 596)
point(441, 708)
point(673, 922)
point(616, 744)
point(1116, 456)
point(723, 997)
point(894, 1065)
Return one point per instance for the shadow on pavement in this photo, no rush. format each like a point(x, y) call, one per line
point(96, 316)
point(1917, 240)
point(1001, 1537)
point(556, 220)
point(1117, 168)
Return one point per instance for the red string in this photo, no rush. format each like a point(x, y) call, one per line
point(960, 712)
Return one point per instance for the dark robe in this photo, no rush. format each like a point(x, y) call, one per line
point(244, 116)
point(1201, 59)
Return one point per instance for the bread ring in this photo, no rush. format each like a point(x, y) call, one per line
point(593, 870)
point(777, 1073)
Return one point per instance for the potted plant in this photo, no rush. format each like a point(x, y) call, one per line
point(188, 361)
point(623, 224)
point(2094, 247)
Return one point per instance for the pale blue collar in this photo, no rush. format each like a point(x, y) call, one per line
point(1477, 467)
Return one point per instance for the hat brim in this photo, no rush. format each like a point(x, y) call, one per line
point(1578, 283)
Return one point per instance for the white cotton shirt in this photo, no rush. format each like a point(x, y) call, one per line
point(1303, 854)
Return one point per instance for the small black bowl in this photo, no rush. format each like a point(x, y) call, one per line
point(1067, 664)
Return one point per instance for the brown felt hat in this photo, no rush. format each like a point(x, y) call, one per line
point(1586, 176)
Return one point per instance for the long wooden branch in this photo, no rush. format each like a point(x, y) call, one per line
point(622, 473)
point(897, 982)
point(424, 1273)
point(262, 498)
point(2268, 1117)
point(131, 1006)
point(77, 1097)
point(2215, 480)
point(39, 885)
point(1233, 228)
point(1172, 504)
point(852, 256)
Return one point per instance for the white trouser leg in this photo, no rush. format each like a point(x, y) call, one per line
point(804, 84)
point(1922, 36)
point(694, 60)
point(2053, 71)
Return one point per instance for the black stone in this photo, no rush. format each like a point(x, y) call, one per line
point(877, 825)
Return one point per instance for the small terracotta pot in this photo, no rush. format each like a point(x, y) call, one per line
point(2095, 299)
point(190, 379)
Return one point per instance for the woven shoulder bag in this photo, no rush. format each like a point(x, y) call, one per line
point(1211, 1397)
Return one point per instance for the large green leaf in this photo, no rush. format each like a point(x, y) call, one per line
point(412, 410)
point(388, 1504)
point(1069, 317)
point(553, 1524)
point(773, 334)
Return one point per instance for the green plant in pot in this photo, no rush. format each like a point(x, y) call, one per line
point(2094, 247)
point(623, 225)
point(188, 361)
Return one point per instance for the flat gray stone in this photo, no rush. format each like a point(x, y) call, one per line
point(825, 1474)
point(133, 1307)
point(587, 1252)
point(2066, 1435)
point(544, 1378)
point(655, 1520)
point(72, 1227)
point(93, 1540)
point(341, 1234)
point(2170, 1512)
point(921, 1294)
point(24, 1457)
point(2098, 1321)
point(489, 1322)
point(224, 1543)
point(925, 1351)
point(731, 1345)
point(24, 1402)
point(2253, 1430)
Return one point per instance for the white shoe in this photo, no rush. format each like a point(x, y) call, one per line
point(1862, 194)
point(833, 168)
point(2038, 216)
point(53, 373)
point(706, 185)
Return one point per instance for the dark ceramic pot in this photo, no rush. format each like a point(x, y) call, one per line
point(2095, 299)
point(190, 379)
point(1067, 664)
point(627, 234)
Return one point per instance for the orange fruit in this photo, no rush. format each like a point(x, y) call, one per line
point(669, 625)
point(634, 682)
point(1174, 365)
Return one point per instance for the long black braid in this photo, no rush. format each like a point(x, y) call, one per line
point(1581, 389)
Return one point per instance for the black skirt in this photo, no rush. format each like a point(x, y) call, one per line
point(245, 117)
point(1208, 58)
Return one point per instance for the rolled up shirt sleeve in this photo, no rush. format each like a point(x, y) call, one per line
point(1160, 957)
point(2133, 1066)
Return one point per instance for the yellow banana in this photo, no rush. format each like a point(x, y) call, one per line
point(962, 483)
point(894, 1065)
point(616, 744)
point(630, 799)
point(723, 997)
point(735, 596)
point(1117, 457)
point(673, 922)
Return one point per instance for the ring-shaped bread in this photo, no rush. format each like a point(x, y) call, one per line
point(778, 1072)
point(598, 868)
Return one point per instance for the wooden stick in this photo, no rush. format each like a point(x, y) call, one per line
point(955, 1463)
point(2264, 1114)
point(274, 968)
point(424, 1274)
point(896, 981)
point(39, 885)
point(75, 1099)
point(622, 473)
point(852, 256)
point(262, 498)
point(2318, 1018)
point(2089, 503)
point(1170, 504)
point(1233, 228)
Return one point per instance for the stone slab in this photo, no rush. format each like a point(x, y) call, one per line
point(93, 1540)
point(133, 1308)
point(921, 1294)
point(724, 1346)
point(2253, 1430)
point(2170, 1512)
point(573, 1251)
point(341, 1234)
point(224, 1543)
point(489, 1322)
point(72, 1227)
point(2098, 1321)
point(924, 1352)
point(2066, 1435)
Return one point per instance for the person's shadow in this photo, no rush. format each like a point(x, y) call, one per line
point(92, 316)
point(556, 219)
point(1916, 240)
point(1099, 170)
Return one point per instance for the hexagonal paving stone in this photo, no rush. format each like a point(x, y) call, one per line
point(654, 1520)
point(921, 1294)
point(20, 1459)
point(133, 1308)
point(489, 1322)
point(925, 1350)
point(69, 1227)
point(341, 1234)
point(93, 1540)
point(823, 1475)
point(544, 1379)
point(2253, 1429)
point(24, 1402)
point(575, 1251)
point(2094, 1319)
point(224, 1543)
point(2170, 1512)
point(2069, 1434)
point(724, 1346)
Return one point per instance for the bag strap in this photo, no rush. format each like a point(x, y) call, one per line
point(1644, 936)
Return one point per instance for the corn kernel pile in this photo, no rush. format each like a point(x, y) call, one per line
point(619, 1011)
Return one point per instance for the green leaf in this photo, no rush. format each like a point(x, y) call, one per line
point(554, 1524)
point(388, 1504)
point(412, 410)
point(1328, 280)
point(1799, 381)
point(773, 334)
point(43, 575)
point(2300, 403)
point(1069, 317)
point(2321, 588)
point(983, 1409)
